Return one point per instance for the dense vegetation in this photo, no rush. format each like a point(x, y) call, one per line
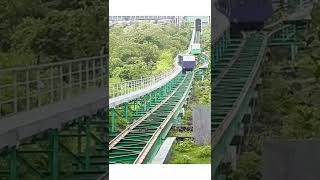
point(40, 31)
point(144, 49)
point(289, 105)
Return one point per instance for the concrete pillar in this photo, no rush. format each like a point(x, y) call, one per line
point(201, 121)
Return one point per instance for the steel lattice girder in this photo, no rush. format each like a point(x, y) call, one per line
point(288, 35)
point(80, 145)
point(122, 151)
point(144, 103)
point(227, 92)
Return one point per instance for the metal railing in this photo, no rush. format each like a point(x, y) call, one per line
point(126, 87)
point(26, 88)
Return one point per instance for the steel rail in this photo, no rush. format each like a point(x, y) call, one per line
point(134, 146)
point(219, 132)
point(232, 61)
point(155, 136)
point(123, 134)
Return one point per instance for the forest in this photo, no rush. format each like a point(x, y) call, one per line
point(41, 31)
point(289, 102)
point(35, 32)
point(144, 49)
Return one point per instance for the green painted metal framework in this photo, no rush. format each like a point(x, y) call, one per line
point(76, 152)
point(203, 66)
point(78, 149)
point(231, 101)
point(135, 109)
point(165, 111)
point(288, 36)
point(237, 65)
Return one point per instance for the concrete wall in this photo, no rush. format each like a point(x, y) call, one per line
point(201, 121)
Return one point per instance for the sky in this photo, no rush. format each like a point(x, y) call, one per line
point(159, 7)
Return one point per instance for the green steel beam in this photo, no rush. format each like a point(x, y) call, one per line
point(13, 164)
point(51, 148)
point(54, 154)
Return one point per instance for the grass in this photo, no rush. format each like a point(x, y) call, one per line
point(187, 152)
point(180, 134)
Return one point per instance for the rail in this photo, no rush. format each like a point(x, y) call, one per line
point(143, 154)
point(151, 125)
point(219, 132)
point(27, 88)
point(126, 87)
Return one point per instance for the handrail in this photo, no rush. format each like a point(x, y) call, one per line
point(26, 88)
point(52, 64)
point(126, 87)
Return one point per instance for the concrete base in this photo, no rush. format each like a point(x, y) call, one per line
point(164, 153)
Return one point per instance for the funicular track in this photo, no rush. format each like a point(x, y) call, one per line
point(153, 114)
point(231, 81)
point(197, 37)
point(235, 79)
point(139, 142)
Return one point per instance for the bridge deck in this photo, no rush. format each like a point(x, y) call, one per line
point(25, 124)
